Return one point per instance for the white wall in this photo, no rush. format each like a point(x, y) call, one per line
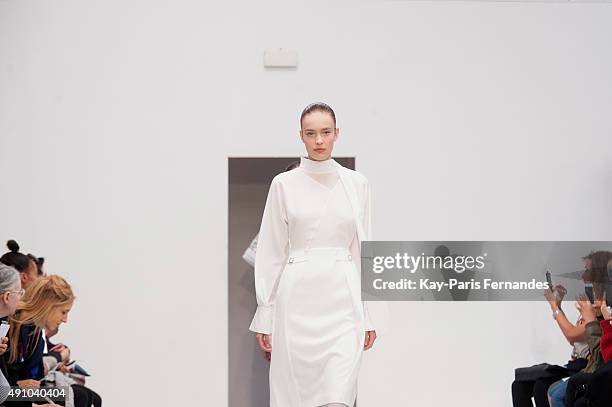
point(472, 121)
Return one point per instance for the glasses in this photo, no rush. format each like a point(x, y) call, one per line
point(325, 133)
point(18, 292)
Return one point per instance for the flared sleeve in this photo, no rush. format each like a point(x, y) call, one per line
point(272, 252)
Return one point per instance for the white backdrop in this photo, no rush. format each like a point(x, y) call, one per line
point(475, 121)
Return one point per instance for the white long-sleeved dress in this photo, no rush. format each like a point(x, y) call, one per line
point(308, 284)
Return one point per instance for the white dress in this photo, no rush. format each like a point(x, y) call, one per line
point(308, 284)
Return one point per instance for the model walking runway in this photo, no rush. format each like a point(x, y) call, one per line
point(307, 277)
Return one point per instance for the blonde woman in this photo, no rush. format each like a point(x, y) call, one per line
point(45, 305)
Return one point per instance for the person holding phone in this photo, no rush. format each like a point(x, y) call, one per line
point(538, 388)
point(606, 323)
point(564, 393)
point(64, 369)
point(598, 390)
point(45, 305)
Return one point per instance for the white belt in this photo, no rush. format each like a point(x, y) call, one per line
point(339, 253)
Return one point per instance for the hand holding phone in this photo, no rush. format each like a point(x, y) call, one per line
point(549, 280)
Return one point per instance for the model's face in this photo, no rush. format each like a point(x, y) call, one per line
point(29, 276)
point(57, 316)
point(319, 133)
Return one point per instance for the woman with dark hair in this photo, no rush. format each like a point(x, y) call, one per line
point(39, 261)
point(570, 393)
point(307, 274)
point(536, 385)
point(25, 265)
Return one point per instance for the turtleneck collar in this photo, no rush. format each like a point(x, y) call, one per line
point(309, 165)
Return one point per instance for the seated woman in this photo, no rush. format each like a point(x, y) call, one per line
point(524, 389)
point(598, 392)
point(565, 392)
point(45, 305)
point(55, 358)
point(10, 294)
point(27, 267)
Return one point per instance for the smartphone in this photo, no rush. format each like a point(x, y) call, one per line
point(588, 290)
point(79, 370)
point(549, 280)
point(4, 328)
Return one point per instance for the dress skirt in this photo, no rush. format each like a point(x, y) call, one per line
point(308, 283)
point(317, 333)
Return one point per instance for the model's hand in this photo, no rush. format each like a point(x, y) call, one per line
point(264, 344)
point(370, 337)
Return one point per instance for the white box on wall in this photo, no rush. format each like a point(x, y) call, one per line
point(280, 58)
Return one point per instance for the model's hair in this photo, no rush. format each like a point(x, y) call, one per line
point(317, 107)
point(41, 298)
point(9, 278)
point(13, 258)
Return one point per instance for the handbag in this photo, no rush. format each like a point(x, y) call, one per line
point(540, 371)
